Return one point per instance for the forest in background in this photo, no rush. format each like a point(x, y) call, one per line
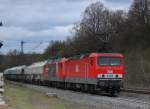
point(103, 30)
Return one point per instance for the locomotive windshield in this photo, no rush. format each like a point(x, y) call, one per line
point(109, 61)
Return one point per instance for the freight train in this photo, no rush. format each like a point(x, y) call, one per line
point(90, 72)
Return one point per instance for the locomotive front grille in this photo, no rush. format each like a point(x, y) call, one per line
point(109, 83)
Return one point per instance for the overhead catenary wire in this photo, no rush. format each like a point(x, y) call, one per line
point(10, 43)
point(37, 46)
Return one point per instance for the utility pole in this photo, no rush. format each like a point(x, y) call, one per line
point(1, 43)
point(22, 43)
point(1, 24)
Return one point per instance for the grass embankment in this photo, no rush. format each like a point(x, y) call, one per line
point(18, 97)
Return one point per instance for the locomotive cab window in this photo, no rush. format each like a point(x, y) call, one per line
point(115, 61)
point(103, 61)
point(109, 61)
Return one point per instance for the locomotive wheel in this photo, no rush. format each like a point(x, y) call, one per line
point(74, 87)
point(91, 89)
point(85, 88)
point(113, 93)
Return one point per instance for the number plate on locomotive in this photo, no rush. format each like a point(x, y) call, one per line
point(109, 75)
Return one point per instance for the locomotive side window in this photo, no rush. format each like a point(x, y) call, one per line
point(115, 61)
point(91, 62)
point(109, 61)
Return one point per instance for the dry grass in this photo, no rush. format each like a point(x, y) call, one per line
point(18, 97)
point(4, 107)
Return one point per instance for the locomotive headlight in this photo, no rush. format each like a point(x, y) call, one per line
point(103, 76)
point(100, 76)
point(116, 76)
point(119, 75)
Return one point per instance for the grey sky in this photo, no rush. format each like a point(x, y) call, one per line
point(43, 20)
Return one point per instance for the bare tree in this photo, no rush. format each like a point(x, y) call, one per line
point(99, 26)
point(97, 21)
point(140, 11)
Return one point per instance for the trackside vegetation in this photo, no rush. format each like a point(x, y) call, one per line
point(19, 97)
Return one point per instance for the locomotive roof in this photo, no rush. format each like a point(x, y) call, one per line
point(107, 54)
point(96, 55)
point(57, 60)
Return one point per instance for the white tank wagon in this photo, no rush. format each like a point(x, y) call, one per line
point(15, 73)
point(34, 72)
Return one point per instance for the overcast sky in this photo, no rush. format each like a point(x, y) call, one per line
point(39, 21)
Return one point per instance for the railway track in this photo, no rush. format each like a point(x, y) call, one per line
point(138, 91)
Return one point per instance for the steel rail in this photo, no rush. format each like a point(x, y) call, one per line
point(138, 91)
